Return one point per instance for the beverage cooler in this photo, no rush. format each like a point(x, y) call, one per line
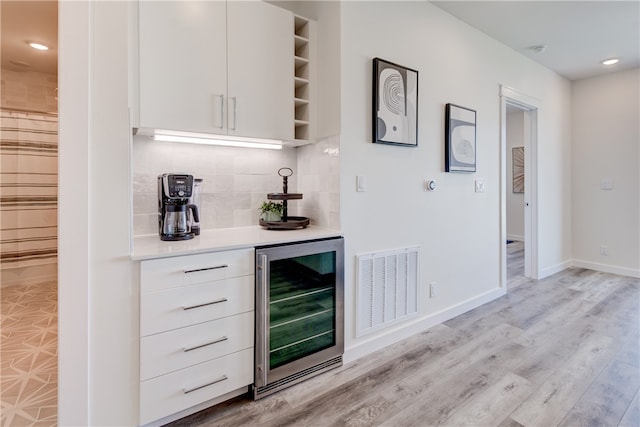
point(299, 312)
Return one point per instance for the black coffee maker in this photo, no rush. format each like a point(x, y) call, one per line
point(174, 193)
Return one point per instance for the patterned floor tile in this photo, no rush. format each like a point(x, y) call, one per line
point(29, 355)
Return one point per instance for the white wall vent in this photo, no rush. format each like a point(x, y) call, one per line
point(387, 288)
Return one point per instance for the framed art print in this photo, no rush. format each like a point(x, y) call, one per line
point(517, 158)
point(395, 104)
point(460, 139)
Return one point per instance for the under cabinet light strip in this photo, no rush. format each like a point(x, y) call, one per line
point(224, 141)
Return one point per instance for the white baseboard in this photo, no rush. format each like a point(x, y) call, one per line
point(606, 268)
point(415, 326)
point(515, 237)
point(546, 272)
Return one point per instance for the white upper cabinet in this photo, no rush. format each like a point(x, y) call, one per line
point(216, 67)
point(260, 70)
point(183, 72)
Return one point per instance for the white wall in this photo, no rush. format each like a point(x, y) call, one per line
point(606, 135)
point(73, 210)
point(97, 305)
point(457, 229)
point(515, 201)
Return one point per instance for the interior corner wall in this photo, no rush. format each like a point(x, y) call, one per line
point(515, 201)
point(457, 229)
point(98, 361)
point(605, 149)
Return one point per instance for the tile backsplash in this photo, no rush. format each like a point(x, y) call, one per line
point(29, 91)
point(319, 182)
point(236, 181)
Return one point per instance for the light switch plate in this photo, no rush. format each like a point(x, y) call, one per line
point(361, 183)
point(480, 186)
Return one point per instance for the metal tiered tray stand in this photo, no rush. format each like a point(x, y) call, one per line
point(287, 222)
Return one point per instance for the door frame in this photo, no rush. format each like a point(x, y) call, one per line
point(531, 107)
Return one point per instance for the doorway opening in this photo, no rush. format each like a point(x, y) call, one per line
point(29, 213)
point(519, 192)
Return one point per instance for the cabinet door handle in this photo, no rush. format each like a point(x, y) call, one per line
point(218, 301)
point(235, 102)
point(195, 347)
point(189, 390)
point(221, 110)
point(206, 268)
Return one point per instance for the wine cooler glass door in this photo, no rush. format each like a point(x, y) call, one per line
point(300, 292)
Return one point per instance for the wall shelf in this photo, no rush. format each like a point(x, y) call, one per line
point(302, 79)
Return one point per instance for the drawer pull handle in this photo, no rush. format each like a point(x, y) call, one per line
point(189, 390)
point(186, 349)
point(218, 301)
point(206, 269)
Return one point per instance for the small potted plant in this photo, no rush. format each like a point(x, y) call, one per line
point(271, 211)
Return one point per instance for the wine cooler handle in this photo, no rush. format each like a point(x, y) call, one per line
point(262, 328)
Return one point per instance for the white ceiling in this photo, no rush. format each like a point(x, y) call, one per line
point(577, 34)
point(24, 21)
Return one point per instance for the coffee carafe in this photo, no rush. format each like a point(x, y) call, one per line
point(194, 223)
point(174, 207)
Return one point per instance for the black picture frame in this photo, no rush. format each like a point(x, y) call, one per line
point(395, 104)
point(460, 139)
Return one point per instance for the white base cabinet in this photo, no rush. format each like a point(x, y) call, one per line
point(196, 330)
point(188, 387)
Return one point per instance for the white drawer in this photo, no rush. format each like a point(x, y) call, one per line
point(171, 393)
point(159, 274)
point(188, 305)
point(178, 349)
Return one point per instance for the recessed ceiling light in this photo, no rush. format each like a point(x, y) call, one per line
point(38, 46)
point(610, 61)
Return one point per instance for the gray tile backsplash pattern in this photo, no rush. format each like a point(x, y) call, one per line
point(319, 182)
point(236, 181)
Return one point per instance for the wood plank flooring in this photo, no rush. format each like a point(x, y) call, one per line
point(563, 351)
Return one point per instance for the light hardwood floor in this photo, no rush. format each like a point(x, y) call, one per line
point(563, 351)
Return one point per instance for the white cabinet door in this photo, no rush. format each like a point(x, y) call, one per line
point(260, 70)
point(183, 71)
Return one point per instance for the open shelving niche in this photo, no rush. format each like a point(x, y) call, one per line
point(303, 55)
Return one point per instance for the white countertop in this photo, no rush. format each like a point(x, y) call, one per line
point(151, 247)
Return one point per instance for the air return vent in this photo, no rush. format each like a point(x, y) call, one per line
point(387, 288)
